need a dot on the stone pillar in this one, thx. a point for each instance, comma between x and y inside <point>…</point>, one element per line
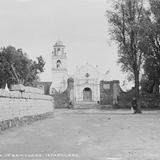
<point>71,90</point>
<point>106,91</point>
<point>116,92</point>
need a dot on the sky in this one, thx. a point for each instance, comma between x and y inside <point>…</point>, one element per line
<point>35,26</point>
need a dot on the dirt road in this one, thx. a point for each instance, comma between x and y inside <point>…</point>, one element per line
<point>85,135</point>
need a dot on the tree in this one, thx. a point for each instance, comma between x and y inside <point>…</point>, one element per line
<point>152,75</point>
<point>127,21</point>
<point>16,67</point>
<point>152,39</point>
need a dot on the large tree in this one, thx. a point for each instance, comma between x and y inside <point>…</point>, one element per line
<point>16,67</point>
<point>127,21</point>
<point>152,56</point>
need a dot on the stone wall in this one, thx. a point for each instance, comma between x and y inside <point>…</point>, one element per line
<point>109,92</point>
<point>43,85</point>
<point>65,99</point>
<point>17,107</point>
<point>61,100</point>
<point>145,101</point>
<point>150,101</point>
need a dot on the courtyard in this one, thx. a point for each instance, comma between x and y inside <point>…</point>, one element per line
<point>85,135</point>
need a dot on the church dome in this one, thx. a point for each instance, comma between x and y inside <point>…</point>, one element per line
<point>59,43</point>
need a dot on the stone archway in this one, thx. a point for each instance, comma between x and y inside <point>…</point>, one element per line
<point>87,95</point>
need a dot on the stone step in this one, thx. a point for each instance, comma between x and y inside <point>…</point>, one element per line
<point>106,107</point>
<point>86,106</point>
<point>92,105</point>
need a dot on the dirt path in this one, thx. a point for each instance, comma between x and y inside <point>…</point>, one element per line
<point>87,135</point>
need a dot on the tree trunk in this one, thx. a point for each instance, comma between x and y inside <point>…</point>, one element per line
<point>136,74</point>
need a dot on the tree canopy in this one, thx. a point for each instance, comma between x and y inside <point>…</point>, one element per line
<point>136,29</point>
<point>152,56</point>
<point>127,20</point>
<point>16,67</point>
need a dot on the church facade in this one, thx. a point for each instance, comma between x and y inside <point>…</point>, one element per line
<point>87,85</point>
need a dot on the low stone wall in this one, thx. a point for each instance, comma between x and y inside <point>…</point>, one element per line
<point>61,100</point>
<point>145,101</point>
<point>17,108</point>
<point>151,101</point>
<point>109,92</point>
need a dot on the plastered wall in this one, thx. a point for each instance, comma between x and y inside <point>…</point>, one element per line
<point>16,104</point>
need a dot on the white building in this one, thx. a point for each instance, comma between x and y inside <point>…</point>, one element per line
<point>86,79</point>
<point>87,84</point>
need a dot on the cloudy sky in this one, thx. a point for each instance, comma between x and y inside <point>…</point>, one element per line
<point>35,26</point>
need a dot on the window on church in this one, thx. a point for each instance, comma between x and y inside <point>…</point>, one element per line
<point>87,75</point>
<point>58,63</point>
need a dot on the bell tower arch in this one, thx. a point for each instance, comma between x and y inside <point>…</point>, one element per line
<point>59,68</point>
<point>59,57</point>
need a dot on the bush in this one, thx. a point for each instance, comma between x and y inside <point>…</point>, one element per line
<point>125,98</point>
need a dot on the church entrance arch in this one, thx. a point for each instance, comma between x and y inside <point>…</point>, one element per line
<point>87,94</point>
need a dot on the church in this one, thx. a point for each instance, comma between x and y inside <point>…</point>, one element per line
<point>87,84</point>
<point>87,87</point>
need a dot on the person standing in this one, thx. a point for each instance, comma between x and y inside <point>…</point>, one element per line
<point>135,106</point>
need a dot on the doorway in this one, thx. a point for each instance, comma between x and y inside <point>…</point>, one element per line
<point>87,95</point>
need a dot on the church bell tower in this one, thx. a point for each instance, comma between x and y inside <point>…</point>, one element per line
<point>59,68</point>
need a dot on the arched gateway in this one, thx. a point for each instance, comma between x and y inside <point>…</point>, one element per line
<point>87,95</point>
